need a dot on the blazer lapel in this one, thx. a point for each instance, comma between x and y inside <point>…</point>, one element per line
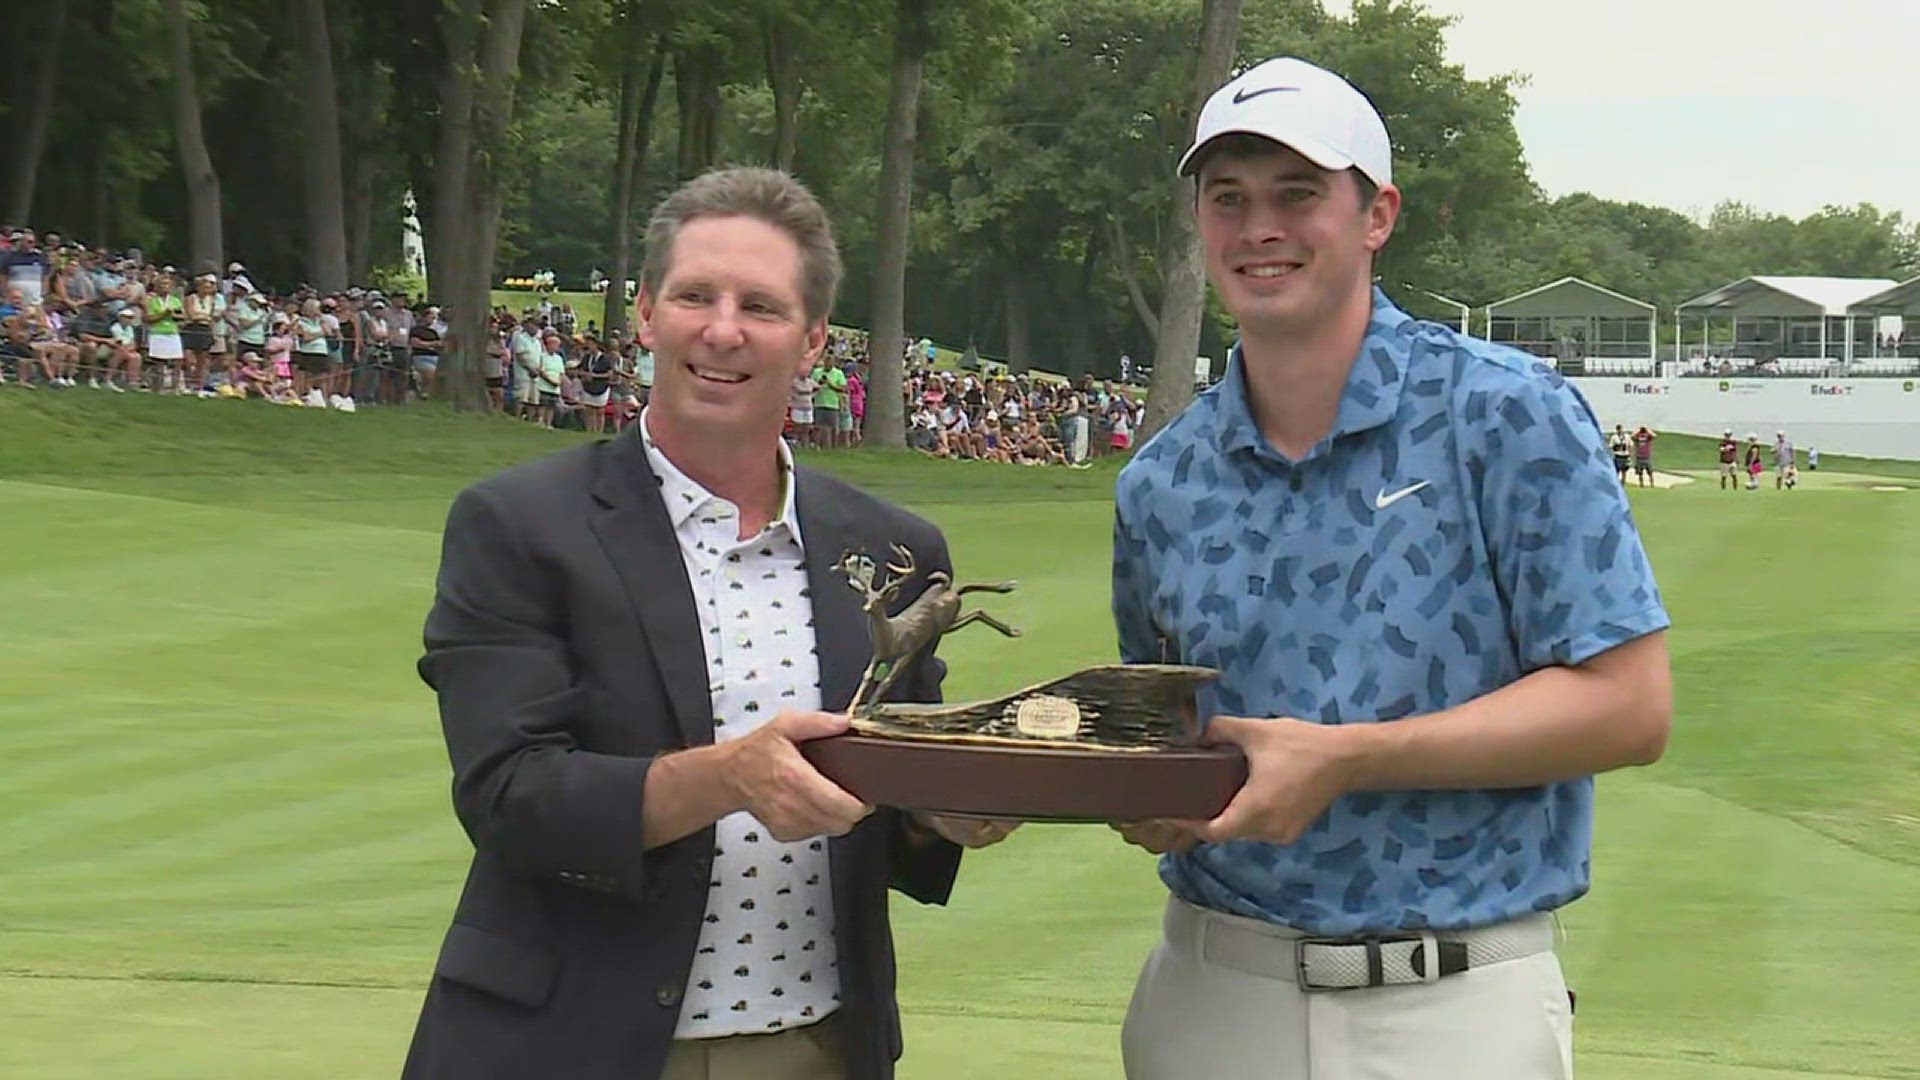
<point>839,625</point>
<point>639,540</point>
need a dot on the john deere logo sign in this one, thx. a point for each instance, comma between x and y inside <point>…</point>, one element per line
<point>1907,386</point>
<point>1725,386</point>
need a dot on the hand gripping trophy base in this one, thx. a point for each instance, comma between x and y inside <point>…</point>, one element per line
<point>1115,742</point>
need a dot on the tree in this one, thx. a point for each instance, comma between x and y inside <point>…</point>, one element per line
<point>26,157</point>
<point>639,94</point>
<point>495,78</point>
<point>322,174</point>
<point>781,32</point>
<point>1183,289</point>
<point>886,416</point>
<point>459,32</point>
<point>203,184</point>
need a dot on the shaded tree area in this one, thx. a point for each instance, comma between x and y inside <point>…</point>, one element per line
<point>1023,211</point>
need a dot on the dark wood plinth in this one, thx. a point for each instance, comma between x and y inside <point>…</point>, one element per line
<point>1037,783</point>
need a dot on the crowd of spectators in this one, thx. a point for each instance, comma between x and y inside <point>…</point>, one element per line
<point>74,315</point>
<point>80,316</point>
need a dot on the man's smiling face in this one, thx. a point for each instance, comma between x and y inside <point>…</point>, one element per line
<point>729,330</point>
<point>1287,243</point>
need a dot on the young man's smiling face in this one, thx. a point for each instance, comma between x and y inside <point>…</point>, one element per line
<point>729,329</point>
<point>1287,243</point>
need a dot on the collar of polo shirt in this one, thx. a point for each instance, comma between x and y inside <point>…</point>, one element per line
<point>684,495</point>
<point>1372,396</point>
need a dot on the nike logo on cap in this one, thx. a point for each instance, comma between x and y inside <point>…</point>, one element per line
<point>1384,499</point>
<point>1244,95</point>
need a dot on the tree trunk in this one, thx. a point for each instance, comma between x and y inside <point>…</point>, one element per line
<point>203,184</point>
<point>446,236</point>
<point>783,78</point>
<point>361,103</point>
<point>1080,332</point>
<point>1123,258</point>
<point>709,147</point>
<point>1183,293</point>
<point>636,127</point>
<point>696,90</point>
<point>360,217</point>
<point>626,116</point>
<point>1019,328</point>
<point>498,54</point>
<point>26,155</point>
<point>321,172</point>
<point>886,415</point>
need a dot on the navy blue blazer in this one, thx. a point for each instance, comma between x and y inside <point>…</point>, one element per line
<point>566,652</point>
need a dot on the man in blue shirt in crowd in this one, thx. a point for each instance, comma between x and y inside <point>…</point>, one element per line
<point>1406,554</point>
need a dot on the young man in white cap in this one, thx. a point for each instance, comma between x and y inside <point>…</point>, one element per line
<point>1407,555</point>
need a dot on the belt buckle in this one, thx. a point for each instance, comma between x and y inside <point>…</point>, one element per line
<point>1300,946</point>
<point>1376,974</point>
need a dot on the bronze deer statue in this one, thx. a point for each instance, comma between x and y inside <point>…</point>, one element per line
<point>897,639</point>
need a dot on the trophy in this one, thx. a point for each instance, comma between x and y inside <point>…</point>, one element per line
<point>1114,742</point>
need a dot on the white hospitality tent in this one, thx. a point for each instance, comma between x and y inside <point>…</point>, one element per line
<point>1576,323</point>
<point>1786,318</point>
<point>1898,313</point>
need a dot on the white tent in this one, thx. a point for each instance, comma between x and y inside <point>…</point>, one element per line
<point>1786,318</point>
<point>1576,322</point>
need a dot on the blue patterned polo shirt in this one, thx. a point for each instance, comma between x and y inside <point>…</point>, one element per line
<point>1460,527</point>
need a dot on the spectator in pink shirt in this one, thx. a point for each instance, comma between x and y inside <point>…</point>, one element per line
<point>856,401</point>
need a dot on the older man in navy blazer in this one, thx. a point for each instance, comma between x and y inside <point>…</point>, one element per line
<point>629,639</point>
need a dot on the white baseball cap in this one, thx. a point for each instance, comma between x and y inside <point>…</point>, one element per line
<point>1304,107</point>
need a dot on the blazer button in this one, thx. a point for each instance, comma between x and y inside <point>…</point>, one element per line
<point>668,995</point>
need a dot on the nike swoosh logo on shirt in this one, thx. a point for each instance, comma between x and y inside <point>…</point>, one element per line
<point>1386,499</point>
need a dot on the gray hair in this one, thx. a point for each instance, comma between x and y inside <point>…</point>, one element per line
<point>763,194</point>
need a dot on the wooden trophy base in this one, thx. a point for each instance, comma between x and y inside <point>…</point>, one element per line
<point>1031,783</point>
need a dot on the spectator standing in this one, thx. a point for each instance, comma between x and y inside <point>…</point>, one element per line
<point>524,350</point>
<point>829,402</point>
<point>1643,455</point>
<point>1621,447</point>
<point>553,368</point>
<point>311,357</point>
<point>162,310</point>
<point>26,267</point>
<point>379,381</point>
<point>596,385</point>
<point>203,319</point>
<point>800,408</point>
<point>424,342</point>
<point>1782,459</point>
<point>856,402</point>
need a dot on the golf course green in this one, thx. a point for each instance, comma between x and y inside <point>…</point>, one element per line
<point>229,850</point>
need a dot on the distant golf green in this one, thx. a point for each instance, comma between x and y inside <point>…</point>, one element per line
<point>229,850</point>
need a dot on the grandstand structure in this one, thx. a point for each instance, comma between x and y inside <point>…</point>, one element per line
<point>1768,325</point>
<point>1583,328</point>
<point>1781,325</point>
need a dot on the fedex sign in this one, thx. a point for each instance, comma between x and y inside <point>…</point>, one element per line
<point>1638,389</point>
<point>1830,390</point>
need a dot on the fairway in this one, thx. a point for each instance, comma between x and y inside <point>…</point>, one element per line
<point>230,853</point>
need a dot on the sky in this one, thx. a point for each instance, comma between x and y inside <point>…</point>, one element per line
<point>1685,103</point>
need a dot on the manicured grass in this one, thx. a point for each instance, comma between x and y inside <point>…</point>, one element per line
<point>229,850</point>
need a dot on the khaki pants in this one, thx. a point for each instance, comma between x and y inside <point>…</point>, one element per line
<point>1195,1017</point>
<point>808,1053</point>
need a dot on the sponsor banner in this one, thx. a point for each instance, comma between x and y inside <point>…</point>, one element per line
<point>1875,417</point>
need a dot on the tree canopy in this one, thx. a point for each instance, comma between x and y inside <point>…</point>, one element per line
<point>1042,145</point>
